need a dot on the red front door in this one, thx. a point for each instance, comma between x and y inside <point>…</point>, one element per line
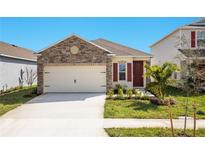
<point>138,74</point>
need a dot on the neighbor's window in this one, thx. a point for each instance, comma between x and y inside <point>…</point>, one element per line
<point>201,38</point>
<point>122,71</point>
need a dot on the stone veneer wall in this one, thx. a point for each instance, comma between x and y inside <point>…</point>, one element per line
<point>148,79</point>
<point>60,54</point>
<point>109,72</point>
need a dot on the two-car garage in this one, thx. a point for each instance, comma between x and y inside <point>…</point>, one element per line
<point>81,78</point>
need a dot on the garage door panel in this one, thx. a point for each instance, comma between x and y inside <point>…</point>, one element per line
<point>74,79</point>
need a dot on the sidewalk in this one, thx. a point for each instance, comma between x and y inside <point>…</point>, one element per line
<point>136,123</point>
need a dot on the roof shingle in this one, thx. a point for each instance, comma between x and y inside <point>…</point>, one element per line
<point>120,50</point>
<point>16,52</point>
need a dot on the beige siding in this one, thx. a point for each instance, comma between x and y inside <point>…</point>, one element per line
<point>126,60</point>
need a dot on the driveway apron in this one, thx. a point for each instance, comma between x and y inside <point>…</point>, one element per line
<point>57,114</point>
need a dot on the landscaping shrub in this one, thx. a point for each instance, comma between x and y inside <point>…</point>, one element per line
<point>119,86</point>
<point>10,90</point>
<point>18,88</point>
<point>200,112</point>
<point>158,101</point>
<point>120,94</point>
<point>129,93</point>
<point>153,88</point>
<point>143,98</point>
<point>138,93</point>
<point>170,101</point>
<point>155,100</point>
<point>110,93</point>
<point>34,91</point>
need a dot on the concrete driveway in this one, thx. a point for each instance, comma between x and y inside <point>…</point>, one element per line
<point>57,114</point>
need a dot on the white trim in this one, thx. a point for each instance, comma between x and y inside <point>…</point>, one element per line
<point>125,71</point>
<point>196,40</point>
<point>131,72</point>
<point>136,56</point>
<point>163,38</point>
<point>17,57</point>
<point>172,32</point>
<point>75,36</point>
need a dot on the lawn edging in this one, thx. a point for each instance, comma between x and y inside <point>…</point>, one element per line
<point>151,132</point>
<point>13,99</point>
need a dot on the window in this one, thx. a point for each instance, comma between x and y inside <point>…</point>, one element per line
<point>201,38</point>
<point>122,70</point>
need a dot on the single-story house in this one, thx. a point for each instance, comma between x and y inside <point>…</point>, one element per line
<point>13,62</point>
<point>77,65</point>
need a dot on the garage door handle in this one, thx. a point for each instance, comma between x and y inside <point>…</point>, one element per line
<point>103,86</point>
<point>102,72</point>
<point>47,85</point>
<point>74,81</point>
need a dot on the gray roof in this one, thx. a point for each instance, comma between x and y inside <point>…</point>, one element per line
<point>200,23</point>
<point>14,51</point>
<point>120,50</point>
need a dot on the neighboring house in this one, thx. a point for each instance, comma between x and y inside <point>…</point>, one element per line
<point>171,47</point>
<point>13,61</point>
<point>77,65</point>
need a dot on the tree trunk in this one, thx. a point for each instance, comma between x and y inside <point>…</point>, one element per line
<point>186,110</point>
<point>170,117</point>
<point>194,131</point>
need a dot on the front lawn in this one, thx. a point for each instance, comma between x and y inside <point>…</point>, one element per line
<point>12,100</point>
<point>151,132</point>
<point>143,109</point>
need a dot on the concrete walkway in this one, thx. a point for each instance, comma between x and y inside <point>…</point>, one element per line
<point>57,114</point>
<point>137,123</point>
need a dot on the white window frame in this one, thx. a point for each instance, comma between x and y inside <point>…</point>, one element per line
<point>196,42</point>
<point>123,71</point>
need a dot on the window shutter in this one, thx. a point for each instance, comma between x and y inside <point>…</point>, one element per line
<point>129,72</point>
<point>193,39</point>
<point>115,72</point>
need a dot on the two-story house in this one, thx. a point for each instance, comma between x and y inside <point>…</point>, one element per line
<point>171,47</point>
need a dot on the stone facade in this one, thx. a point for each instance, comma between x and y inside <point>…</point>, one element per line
<point>109,72</point>
<point>61,54</point>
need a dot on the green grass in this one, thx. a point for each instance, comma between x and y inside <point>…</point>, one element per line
<point>151,132</point>
<point>143,109</point>
<point>14,99</point>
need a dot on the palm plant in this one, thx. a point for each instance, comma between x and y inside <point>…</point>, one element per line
<point>162,78</point>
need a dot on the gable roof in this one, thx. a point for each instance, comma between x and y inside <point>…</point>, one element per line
<point>108,46</point>
<point>195,25</point>
<point>73,35</point>
<point>13,51</point>
<point>120,50</point>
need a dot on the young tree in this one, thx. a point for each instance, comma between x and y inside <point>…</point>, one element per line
<point>30,76</point>
<point>21,80</point>
<point>192,74</point>
<point>162,78</point>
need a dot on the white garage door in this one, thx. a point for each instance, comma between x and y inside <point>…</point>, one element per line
<point>74,79</point>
